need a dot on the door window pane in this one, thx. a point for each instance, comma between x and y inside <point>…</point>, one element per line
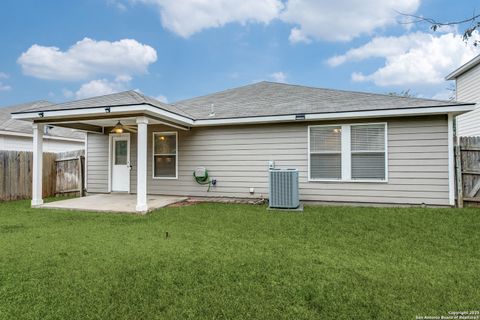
<point>121,152</point>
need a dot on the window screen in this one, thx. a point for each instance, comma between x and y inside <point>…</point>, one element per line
<point>368,152</point>
<point>326,152</point>
<point>165,155</point>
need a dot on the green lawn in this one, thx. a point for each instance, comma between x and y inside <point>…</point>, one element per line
<point>224,261</point>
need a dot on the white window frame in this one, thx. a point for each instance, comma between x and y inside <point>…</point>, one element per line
<point>325,152</point>
<point>153,154</point>
<point>346,153</point>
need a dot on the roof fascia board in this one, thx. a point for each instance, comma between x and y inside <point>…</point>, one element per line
<point>464,68</point>
<point>35,115</point>
<point>103,107</point>
<point>340,115</point>
<point>160,113</point>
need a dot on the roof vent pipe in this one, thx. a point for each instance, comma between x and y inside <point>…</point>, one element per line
<point>212,111</point>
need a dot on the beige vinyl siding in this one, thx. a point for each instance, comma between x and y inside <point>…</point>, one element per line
<point>237,156</point>
<point>97,163</point>
<point>468,90</point>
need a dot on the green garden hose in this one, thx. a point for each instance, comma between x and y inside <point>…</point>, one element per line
<point>204,180</point>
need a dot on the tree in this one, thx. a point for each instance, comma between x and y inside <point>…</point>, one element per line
<point>453,92</point>
<point>404,93</point>
<point>469,25</point>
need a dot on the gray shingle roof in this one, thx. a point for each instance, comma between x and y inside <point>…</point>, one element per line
<point>9,124</point>
<point>269,98</point>
<point>116,99</point>
<point>260,99</point>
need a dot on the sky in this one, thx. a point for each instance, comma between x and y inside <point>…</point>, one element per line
<point>177,49</point>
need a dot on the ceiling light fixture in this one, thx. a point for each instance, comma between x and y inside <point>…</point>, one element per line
<point>118,128</point>
<point>121,128</point>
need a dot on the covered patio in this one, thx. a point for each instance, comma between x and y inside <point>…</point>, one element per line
<point>115,116</point>
<point>114,202</point>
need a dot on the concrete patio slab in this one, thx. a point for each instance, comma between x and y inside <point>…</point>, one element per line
<point>114,202</point>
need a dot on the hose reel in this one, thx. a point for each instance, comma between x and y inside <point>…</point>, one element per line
<point>201,176</point>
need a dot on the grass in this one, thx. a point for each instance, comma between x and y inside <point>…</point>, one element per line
<point>224,261</point>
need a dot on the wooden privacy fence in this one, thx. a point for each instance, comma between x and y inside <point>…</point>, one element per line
<point>70,173</point>
<point>62,173</point>
<point>467,163</point>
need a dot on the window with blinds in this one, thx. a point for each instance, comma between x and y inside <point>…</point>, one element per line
<point>368,151</point>
<point>345,152</point>
<point>326,152</point>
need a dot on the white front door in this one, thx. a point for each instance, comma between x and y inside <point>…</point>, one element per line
<point>120,162</point>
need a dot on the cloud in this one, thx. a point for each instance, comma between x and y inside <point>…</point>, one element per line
<point>102,87</point>
<point>311,19</point>
<point>412,59</point>
<point>188,17</point>
<point>119,5</point>
<point>341,20</point>
<point>381,47</point>
<point>4,87</point>
<point>279,77</point>
<point>444,95</point>
<point>67,93</point>
<point>162,98</point>
<point>234,75</point>
<point>296,35</point>
<point>86,59</point>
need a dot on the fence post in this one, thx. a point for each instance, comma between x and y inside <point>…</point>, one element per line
<point>459,180</point>
<point>80,176</point>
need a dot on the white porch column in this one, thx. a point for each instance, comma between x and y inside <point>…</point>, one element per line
<point>142,205</point>
<point>37,171</point>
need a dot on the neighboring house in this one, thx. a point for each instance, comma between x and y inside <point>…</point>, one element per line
<point>467,85</point>
<point>16,135</point>
<point>348,146</point>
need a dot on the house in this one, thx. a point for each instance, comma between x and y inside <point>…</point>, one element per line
<point>467,88</point>
<point>350,147</point>
<point>16,135</point>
